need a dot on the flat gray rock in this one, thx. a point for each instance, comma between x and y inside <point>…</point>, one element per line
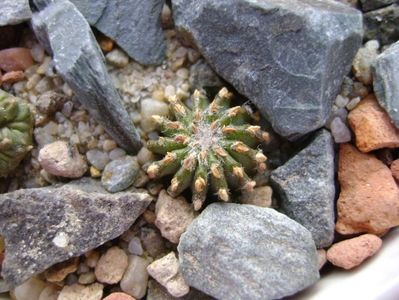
<point>120,173</point>
<point>287,56</point>
<point>382,24</point>
<point>306,187</point>
<point>135,25</point>
<point>92,10</point>
<point>234,251</point>
<point>13,12</point>
<point>386,79</point>
<point>65,33</point>
<point>44,226</point>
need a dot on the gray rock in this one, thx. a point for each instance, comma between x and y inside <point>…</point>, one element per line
<point>306,187</point>
<point>368,5</point>
<point>64,32</point>
<point>288,57</point>
<point>92,10</point>
<point>135,25</point>
<point>382,24</point>
<point>14,12</point>
<point>44,226</point>
<point>386,78</point>
<point>119,174</point>
<point>234,251</point>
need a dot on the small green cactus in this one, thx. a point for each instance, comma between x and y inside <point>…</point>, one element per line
<point>16,127</point>
<point>212,143</point>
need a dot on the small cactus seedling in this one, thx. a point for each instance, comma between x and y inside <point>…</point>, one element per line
<point>212,143</point>
<point>16,126</point>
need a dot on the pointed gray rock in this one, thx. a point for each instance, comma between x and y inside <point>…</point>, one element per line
<point>306,186</point>
<point>13,12</point>
<point>234,251</point>
<point>386,79</point>
<point>44,226</point>
<point>288,57</point>
<point>65,33</point>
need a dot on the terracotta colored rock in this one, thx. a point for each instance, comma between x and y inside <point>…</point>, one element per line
<point>351,253</point>
<point>15,59</point>
<point>12,77</point>
<point>395,169</point>
<point>119,296</point>
<point>369,198</point>
<point>372,126</point>
<point>59,271</point>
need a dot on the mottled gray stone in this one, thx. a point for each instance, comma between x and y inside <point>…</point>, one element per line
<point>44,226</point>
<point>287,56</point>
<point>13,12</point>
<point>382,24</point>
<point>234,251</point>
<point>135,25</point>
<point>368,5</point>
<point>66,34</point>
<point>386,81</point>
<point>92,10</point>
<point>306,186</point>
<point>119,174</point>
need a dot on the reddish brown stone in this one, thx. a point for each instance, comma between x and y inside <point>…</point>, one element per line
<point>372,126</point>
<point>15,59</point>
<point>119,296</point>
<point>351,253</point>
<point>395,169</point>
<point>369,198</point>
<point>12,77</point>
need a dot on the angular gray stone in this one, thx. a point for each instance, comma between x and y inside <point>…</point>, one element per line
<point>368,5</point>
<point>135,25</point>
<point>234,251</point>
<point>92,10</point>
<point>386,79</point>
<point>289,57</point>
<point>61,28</point>
<point>382,24</point>
<point>307,190</point>
<point>44,226</point>
<point>13,12</point>
<point>119,174</point>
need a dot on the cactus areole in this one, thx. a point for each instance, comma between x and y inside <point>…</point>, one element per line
<point>211,145</point>
<point>16,127</point>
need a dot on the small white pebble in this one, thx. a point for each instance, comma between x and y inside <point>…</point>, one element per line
<point>352,104</point>
<point>37,52</point>
<point>97,158</point>
<point>341,101</point>
<point>340,131</point>
<point>117,58</point>
<point>135,246</point>
<point>117,153</point>
<point>61,240</point>
<point>169,91</point>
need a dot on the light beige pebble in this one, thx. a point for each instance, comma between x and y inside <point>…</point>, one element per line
<point>87,278</point>
<point>30,289</point>
<point>117,58</point>
<point>364,59</point>
<point>135,279</point>
<point>166,271</point>
<point>61,159</point>
<point>173,215</point>
<point>261,196</point>
<point>149,108</point>
<point>81,292</point>
<point>145,156</point>
<point>109,145</point>
<point>352,252</point>
<point>92,258</point>
<point>322,256</point>
<point>50,292</point>
<point>111,266</point>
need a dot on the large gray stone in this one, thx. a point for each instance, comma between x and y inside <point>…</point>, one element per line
<point>65,33</point>
<point>44,226</point>
<point>382,24</point>
<point>92,10</point>
<point>14,12</point>
<point>136,26</point>
<point>386,81</point>
<point>306,186</point>
<point>287,56</point>
<point>234,251</point>
<point>368,5</point>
